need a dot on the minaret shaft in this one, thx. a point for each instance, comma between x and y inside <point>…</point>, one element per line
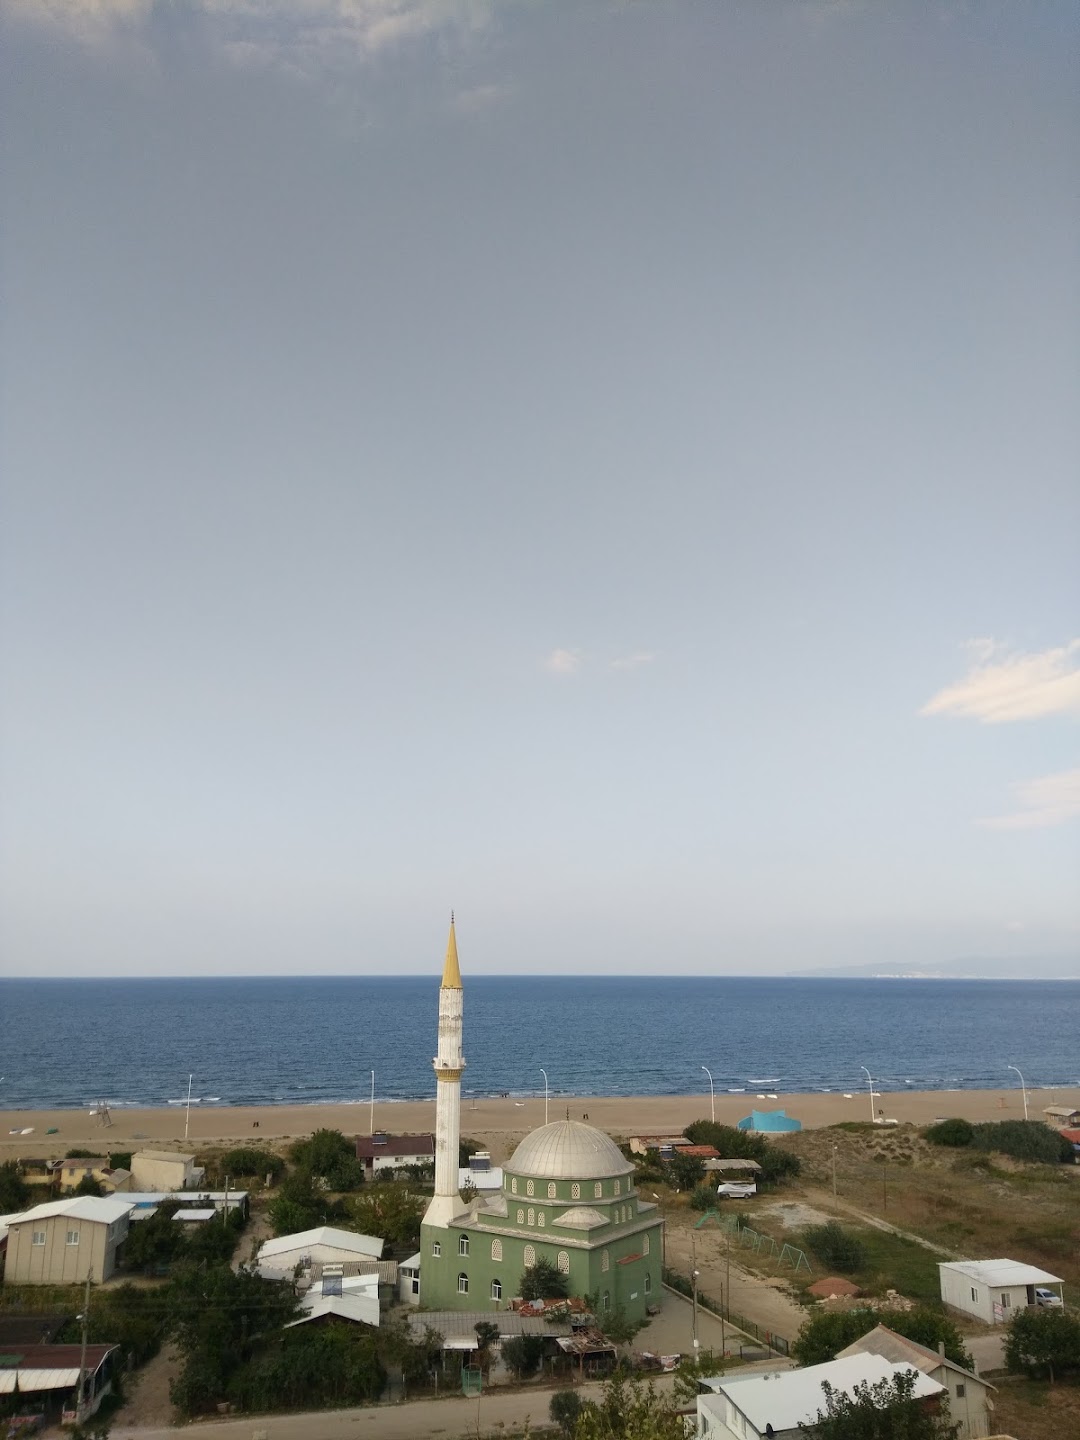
<point>448,1064</point>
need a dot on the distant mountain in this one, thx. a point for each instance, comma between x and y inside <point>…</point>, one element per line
<point>977,968</point>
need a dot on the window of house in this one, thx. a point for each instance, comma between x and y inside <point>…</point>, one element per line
<point>463,1244</point>
<point>463,1284</point>
<point>564,1263</point>
<point>496,1289</point>
<point>605,1261</point>
<point>496,1249</point>
<point>73,1237</point>
<point>1006,1299</point>
<point>974,1293</point>
<point>436,1247</point>
<point>530,1189</point>
<point>648,1284</point>
<point>529,1257</point>
<point>38,1237</point>
<point>960,1392</point>
<point>520,1216</point>
<point>552,1192</point>
<point>575,1191</point>
<point>416,1285</point>
<point>607,1299</point>
<point>513,1186</point>
<point>597,1190</point>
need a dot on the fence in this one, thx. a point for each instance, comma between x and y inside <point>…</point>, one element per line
<point>682,1286</point>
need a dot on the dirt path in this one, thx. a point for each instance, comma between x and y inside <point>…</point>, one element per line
<point>147,1390</point>
<point>764,1300</point>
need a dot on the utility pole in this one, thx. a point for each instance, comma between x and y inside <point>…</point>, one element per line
<point>834,1172</point>
<point>693,1282</point>
<point>884,1189</point>
<point>225,1207</point>
<point>85,1318</point>
<point>371,1124</point>
<point>187,1110</point>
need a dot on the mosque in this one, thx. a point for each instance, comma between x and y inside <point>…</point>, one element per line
<point>568,1196</point>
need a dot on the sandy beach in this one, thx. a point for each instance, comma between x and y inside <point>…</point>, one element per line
<point>499,1123</point>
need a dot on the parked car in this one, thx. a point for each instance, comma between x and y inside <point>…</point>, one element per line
<point>1043,1296</point>
<point>737,1189</point>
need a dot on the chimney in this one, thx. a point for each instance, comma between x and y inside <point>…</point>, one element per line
<point>941,1348</point>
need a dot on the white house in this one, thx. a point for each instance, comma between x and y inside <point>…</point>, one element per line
<point>992,1290</point>
<point>339,1297</point>
<point>777,1403</point>
<point>325,1245</point>
<point>970,1403</point>
<point>165,1170</point>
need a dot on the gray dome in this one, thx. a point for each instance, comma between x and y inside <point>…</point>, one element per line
<point>568,1150</point>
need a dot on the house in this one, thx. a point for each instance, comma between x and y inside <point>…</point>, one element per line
<point>779,1403</point>
<point>642,1144</point>
<point>769,1122</point>
<point>970,1403</point>
<point>992,1290</point>
<point>165,1170</point>
<point>1062,1116</point>
<point>46,1377</point>
<point>1073,1137</point>
<point>64,1241</point>
<point>98,1168</point>
<point>381,1152</point>
<point>43,1173</point>
<point>480,1173</point>
<point>698,1152</point>
<point>458,1329</point>
<point>325,1245</point>
<point>353,1299</point>
<point>750,1168</point>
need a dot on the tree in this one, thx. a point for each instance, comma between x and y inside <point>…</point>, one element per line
<point>825,1334</point>
<point>248,1161</point>
<point>693,1368</point>
<point>300,1204</point>
<point>89,1186</point>
<point>837,1247</point>
<point>619,1327</point>
<point>523,1353</point>
<point>886,1410</point>
<point>487,1335</point>
<point>311,1367</point>
<point>629,1410</point>
<point>734,1144</point>
<point>685,1171</point>
<point>564,1410</point>
<point>14,1191</point>
<point>330,1158</point>
<point>391,1211</point>
<point>1043,1341</point>
<point>157,1240</point>
<point>542,1281</point>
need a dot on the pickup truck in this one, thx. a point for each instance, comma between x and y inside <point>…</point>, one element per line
<point>737,1189</point>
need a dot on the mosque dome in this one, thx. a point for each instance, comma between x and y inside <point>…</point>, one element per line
<point>569,1150</point>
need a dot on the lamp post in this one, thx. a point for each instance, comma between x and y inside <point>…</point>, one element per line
<point>871,1079</point>
<point>1023,1087</point>
<point>371,1123</point>
<point>544,1073</point>
<point>712,1095</point>
<point>187,1108</point>
<point>834,1172</point>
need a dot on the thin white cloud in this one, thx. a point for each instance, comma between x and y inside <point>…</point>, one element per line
<point>479,98</point>
<point>563,662</point>
<point>633,661</point>
<point>1000,686</point>
<point>1049,800</point>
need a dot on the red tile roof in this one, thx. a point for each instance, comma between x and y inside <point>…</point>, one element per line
<point>369,1147</point>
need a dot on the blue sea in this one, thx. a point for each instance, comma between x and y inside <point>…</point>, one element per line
<point>67,1043</point>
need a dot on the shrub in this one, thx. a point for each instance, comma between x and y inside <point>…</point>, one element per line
<point>1023,1140</point>
<point>955,1132</point>
<point>826,1333</point>
<point>1043,1341</point>
<point>734,1144</point>
<point>247,1161</point>
<point>564,1409</point>
<point>522,1354</point>
<point>703,1197</point>
<point>14,1191</point>
<point>837,1247</point>
<point>328,1155</point>
<point>81,1155</point>
<point>542,1281</point>
<point>685,1171</point>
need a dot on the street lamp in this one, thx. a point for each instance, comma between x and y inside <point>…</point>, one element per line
<point>544,1073</point>
<point>371,1127</point>
<point>712,1095</point>
<point>1023,1087</point>
<point>871,1079</point>
<point>187,1111</point>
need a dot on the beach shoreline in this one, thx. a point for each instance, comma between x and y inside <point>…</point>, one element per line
<point>497,1122</point>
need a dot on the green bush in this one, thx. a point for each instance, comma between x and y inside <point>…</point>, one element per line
<point>685,1171</point>
<point>835,1246</point>
<point>564,1409</point>
<point>248,1161</point>
<point>826,1333</point>
<point>1043,1342</point>
<point>734,1144</point>
<point>330,1157</point>
<point>522,1354</point>
<point>954,1132</point>
<point>703,1197</point>
<point>14,1191</point>
<point>1024,1140</point>
<point>542,1281</point>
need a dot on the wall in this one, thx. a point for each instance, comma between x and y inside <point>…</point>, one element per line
<point>58,1263</point>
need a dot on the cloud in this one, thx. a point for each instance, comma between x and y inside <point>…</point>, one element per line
<point>1000,687</point>
<point>1049,800</point>
<point>480,98</point>
<point>563,662</point>
<point>633,661</point>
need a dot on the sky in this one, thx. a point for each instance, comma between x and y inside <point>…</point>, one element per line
<point>607,468</point>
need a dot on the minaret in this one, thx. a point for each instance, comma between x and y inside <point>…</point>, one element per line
<point>449,1063</point>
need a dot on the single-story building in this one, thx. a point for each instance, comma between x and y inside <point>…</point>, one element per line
<point>992,1290</point>
<point>381,1152</point>
<point>1073,1137</point>
<point>47,1379</point>
<point>779,1403</point>
<point>94,1167</point>
<point>770,1122</point>
<point>642,1144</point>
<point>458,1328</point>
<point>698,1152</point>
<point>970,1403</point>
<point>480,1173</point>
<point>749,1168</point>
<point>64,1241</point>
<point>325,1245</point>
<point>353,1299</point>
<point>145,1202</point>
<point>409,1280</point>
<point>165,1170</point>
<point>1062,1116</point>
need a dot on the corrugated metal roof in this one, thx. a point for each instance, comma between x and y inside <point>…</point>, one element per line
<point>102,1211</point>
<point>361,1309</point>
<point>461,1324</point>
<point>36,1380</point>
<point>997,1273</point>
<point>787,1399</point>
<point>322,1235</point>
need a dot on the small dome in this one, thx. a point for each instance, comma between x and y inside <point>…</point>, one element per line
<point>568,1150</point>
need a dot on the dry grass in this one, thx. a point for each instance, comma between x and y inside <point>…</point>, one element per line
<point>1034,1411</point>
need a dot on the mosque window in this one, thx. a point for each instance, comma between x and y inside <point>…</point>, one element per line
<point>552,1192</point>
<point>463,1244</point>
<point>630,1208</point>
<point>513,1186</point>
<point>564,1263</point>
<point>496,1289</point>
<point>529,1257</point>
<point>436,1248</point>
<point>463,1284</point>
<point>496,1249</point>
<point>529,1188</point>
<point>541,1219</point>
<point>532,1216</point>
<point>597,1190</point>
<point>605,1261</point>
<point>645,1244</point>
<point>648,1284</point>
<point>618,1187</point>
<point>575,1191</point>
<point>520,1216</point>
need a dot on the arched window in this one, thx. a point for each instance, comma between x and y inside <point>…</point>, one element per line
<point>496,1249</point>
<point>521,1217</point>
<point>564,1263</point>
<point>463,1284</point>
<point>513,1186</point>
<point>645,1244</point>
<point>529,1257</point>
<point>552,1192</point>
<point>598,1190</point>
<point>618,1187</point>
<point>575,1191</point>
<point>630,1208</point>
<point>496,1289</point>
<point>436,1248</point>
<point>605,1261</point>
<point>648,1284</point>
<point>532,1217</point>
<point>463,1244</point>
<point>541,1219</point>
<point>529,1188</point>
